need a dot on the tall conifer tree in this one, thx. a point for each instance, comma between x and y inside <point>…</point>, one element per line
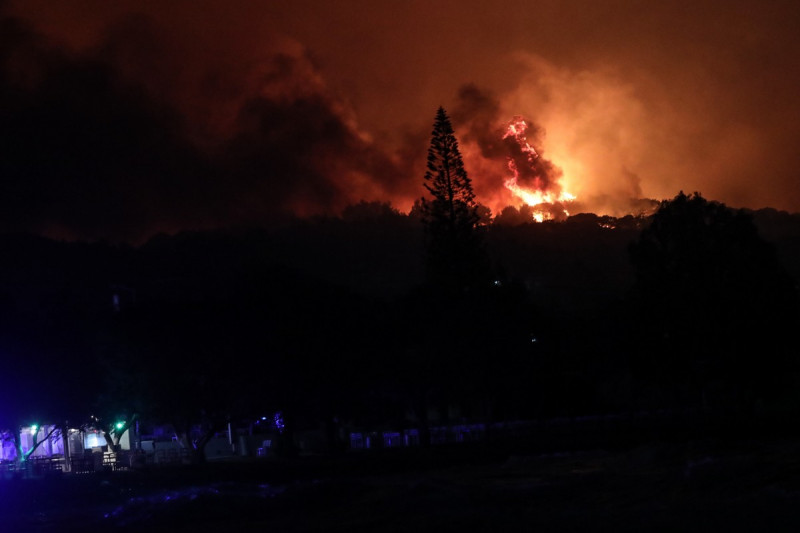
<point>455,254</point>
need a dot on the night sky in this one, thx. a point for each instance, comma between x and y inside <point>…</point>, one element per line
<point>121,119</point>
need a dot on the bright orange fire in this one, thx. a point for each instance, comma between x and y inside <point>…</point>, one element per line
<point>544,193</point>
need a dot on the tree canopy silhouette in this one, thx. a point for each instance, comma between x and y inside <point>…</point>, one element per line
<point>717,308</point>
<point>455,254</point>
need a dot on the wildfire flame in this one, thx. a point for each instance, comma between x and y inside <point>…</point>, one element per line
<point>543,191</point>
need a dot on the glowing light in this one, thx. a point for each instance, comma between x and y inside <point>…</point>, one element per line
<point>34,429</point>
<point>279,423</point>
<point>543,190</point>
<point>119,425</point>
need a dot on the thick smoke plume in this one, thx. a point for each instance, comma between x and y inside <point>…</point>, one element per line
<point>492,152</point>
<point>124,118</point>
<point>530,168</point>
<point>117,141</point>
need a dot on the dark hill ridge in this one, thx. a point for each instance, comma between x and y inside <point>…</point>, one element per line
<point>583,259</point>
<point>339,296</point>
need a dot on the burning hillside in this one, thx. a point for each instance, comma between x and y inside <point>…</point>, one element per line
<point>534,180</point>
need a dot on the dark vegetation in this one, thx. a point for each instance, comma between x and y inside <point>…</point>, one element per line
<point>331,318</point>
<point>647,366</point>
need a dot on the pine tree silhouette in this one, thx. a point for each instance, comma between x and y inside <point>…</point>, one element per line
<point>455,254</point>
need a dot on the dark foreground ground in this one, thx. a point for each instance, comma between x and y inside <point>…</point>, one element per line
<point>696,485</point>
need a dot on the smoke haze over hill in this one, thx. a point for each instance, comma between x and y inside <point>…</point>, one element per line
<point>124,119</point>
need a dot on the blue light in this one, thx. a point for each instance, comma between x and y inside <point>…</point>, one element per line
<point>279,423</point>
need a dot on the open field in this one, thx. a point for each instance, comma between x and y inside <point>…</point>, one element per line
<point>663,486</point>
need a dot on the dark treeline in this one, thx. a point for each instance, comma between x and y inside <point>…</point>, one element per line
<point>330,319</point>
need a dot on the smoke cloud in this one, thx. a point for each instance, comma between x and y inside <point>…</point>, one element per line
<point>119,119</point>
<point>108,143</point>
<point>488,148</point>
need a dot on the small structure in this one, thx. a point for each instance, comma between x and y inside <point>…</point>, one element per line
<point>46,448</point>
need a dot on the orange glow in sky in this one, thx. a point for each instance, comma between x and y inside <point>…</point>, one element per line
<point>226,113</point>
